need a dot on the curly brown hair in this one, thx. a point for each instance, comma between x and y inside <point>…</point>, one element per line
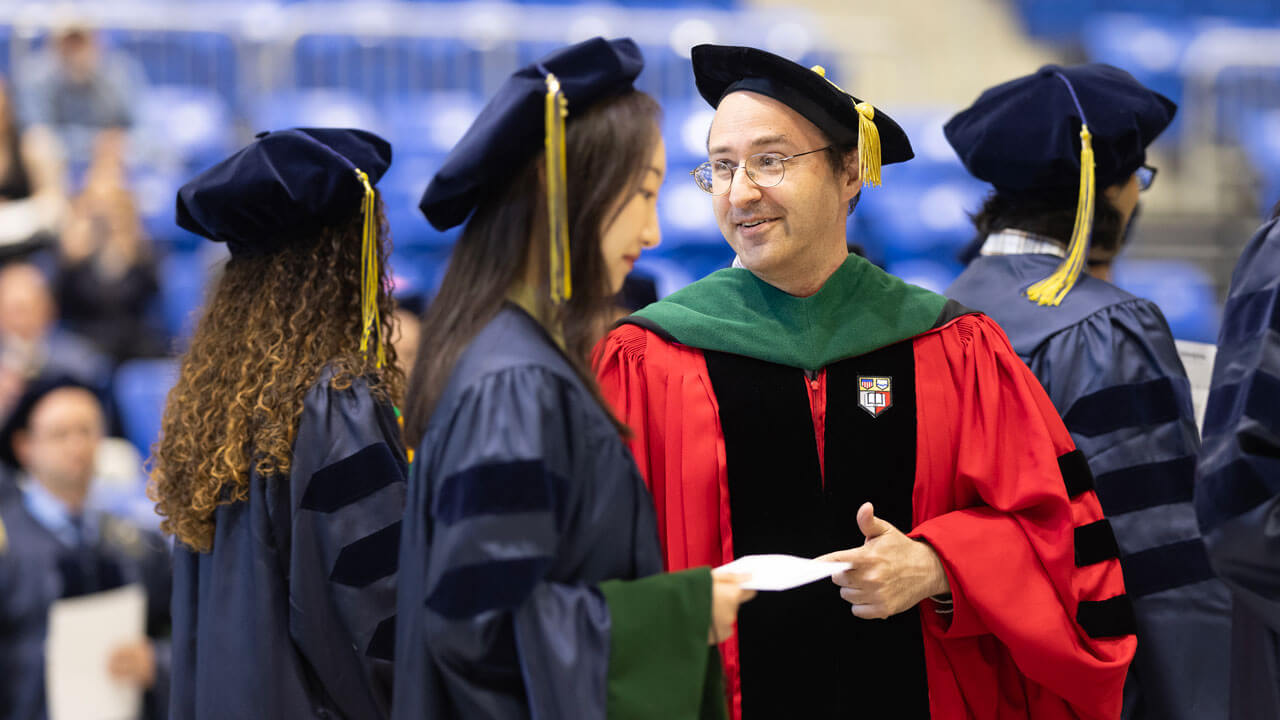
<point>271,327</point>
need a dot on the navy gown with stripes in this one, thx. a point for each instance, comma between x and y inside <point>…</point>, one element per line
<point>1238,487</point>
<point>1108,362</point>
<point>523,500</point>
<point>291,615</point>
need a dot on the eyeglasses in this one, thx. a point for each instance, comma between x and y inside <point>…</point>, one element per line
<point>764,169</point>
<point>1146,175</point>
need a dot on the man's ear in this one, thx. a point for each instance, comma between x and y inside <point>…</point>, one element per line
<point>21,446</point>
<point>852,177</point>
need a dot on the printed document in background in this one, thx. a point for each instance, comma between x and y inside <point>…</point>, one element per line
<point>83,632</point>
<point>1197,358</point>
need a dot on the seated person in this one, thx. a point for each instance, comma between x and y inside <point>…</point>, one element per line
<point>54,544</point>
<point>32,183</point>
<point>31,341</point>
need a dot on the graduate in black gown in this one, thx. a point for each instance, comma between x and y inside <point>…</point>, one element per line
<point>56,542</point>
<point>531,578</point>
<point>280,469</point>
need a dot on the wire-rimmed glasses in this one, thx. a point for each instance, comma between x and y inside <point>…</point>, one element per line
<point>764,169</point>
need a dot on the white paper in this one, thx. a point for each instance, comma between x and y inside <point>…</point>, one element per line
<point>782,572</point>
<point>83,633</point>
<point>1197,358</point>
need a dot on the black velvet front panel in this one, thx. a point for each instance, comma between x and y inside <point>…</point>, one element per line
<point>804,654</point>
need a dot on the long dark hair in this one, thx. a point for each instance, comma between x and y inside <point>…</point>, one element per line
<point>608,149</point>
<point>1050,215</point>
<point>272,325</point>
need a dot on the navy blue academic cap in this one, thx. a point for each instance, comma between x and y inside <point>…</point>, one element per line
<point>509,130</point>
<point>1024,135</point>
<point>720,70</point>
<point>282,187</point>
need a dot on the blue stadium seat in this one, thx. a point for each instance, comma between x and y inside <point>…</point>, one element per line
<point>177,57</point>
<point>154,190</point>
<point>5,53</point>
<point>1150,47</point>
<point>140,389</point>
<point>402,189</point>
<point>1260,134</point>
<point>920,219</point>
<point>382,68</point>
<point>183,127</point>
<point>1183,291</point>
<point>935,275</point>
<point>430,122</point>
<point>1055,20</point>
<point>684,128</point>
<point>685,211</point>
<point>674,266</point>
<point>317,107</point>
<point>1240,94</point>
<point>184,277</point>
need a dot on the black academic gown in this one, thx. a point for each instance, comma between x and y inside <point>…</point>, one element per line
<point>525,511</point>
<point>291,613</point>
<point>36,570</point>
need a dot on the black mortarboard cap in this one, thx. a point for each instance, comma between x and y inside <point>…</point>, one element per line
<point>282,188</point>
<point>510,128</point>
<point>1024,135</point>
<point>720,70</point>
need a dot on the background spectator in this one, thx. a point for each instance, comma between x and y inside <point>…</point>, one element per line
<point>31,341</point>
<point>32,183</point>
<point>78,88</point>
<point>107,275</point>
<point>60,544</point>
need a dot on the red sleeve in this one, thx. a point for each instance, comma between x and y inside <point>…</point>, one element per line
<point>991,500</point>
<point>662,391</point>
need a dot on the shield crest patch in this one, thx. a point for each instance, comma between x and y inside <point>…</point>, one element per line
<point>875,394</point>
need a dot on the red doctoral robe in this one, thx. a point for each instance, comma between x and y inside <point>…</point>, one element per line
<point>1037,631</point>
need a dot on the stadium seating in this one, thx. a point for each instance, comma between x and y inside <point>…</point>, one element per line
<point>140,390</point>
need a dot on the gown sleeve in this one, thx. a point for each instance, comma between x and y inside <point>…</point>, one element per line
<point>1000,495</point>
<point>346,494</point>
<point>516,479</point>
<point>1118,381</point>
<point>1238,484</point>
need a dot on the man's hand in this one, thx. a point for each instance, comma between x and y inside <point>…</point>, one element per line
<point>891,573</point>
<point>134,664</point>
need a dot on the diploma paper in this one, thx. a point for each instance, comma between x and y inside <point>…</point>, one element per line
<point>83,632</point>
<point>781,572</point>
<point>1198,358</point>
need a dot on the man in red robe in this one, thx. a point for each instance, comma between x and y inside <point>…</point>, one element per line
<point>809,403</point>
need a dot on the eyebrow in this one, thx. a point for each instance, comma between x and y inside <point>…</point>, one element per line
<point>758,142</point>
<point>653,169</point>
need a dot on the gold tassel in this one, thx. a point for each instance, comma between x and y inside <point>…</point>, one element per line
<point>4,538</point>
<point>1052,289</point>
<point>868,145</point>
<point>557,108</point>
<point>868,136</point>
<point>370,320</point>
